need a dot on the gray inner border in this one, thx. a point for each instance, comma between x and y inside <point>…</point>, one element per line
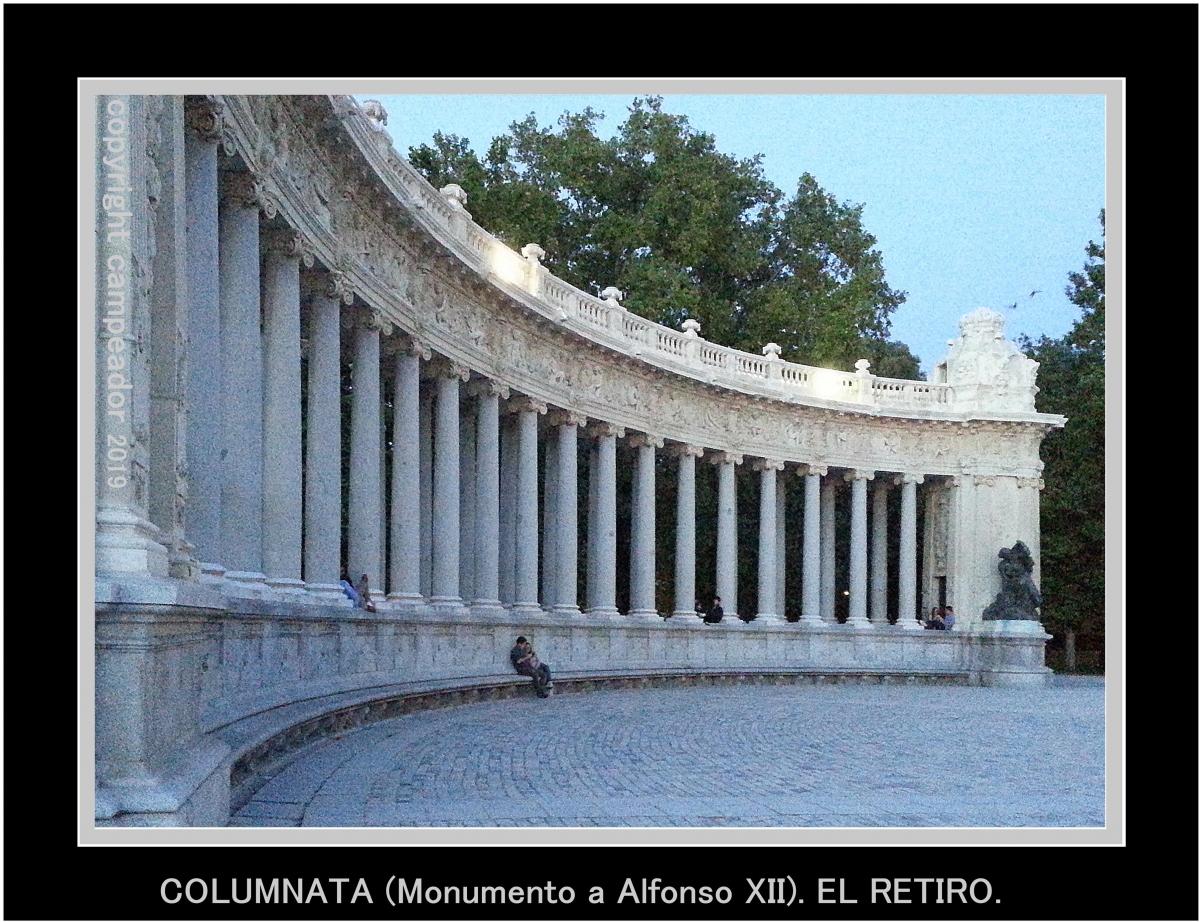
<point>1113,89</point>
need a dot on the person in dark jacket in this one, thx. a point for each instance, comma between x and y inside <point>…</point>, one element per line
<point>716,613</point>
<point>525,661</point>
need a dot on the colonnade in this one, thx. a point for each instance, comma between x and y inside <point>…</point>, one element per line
<point>455,520</point>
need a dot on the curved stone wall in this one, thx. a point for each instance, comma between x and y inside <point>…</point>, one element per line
<point>276,242</point>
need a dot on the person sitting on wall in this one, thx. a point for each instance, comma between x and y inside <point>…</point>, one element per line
<point>525,661</point>
<point>364,594</point>
<point>716,613</point>
<point>949,617</point>
<point>935,622</point>
<point>348,589</point>
<point>699,609</point>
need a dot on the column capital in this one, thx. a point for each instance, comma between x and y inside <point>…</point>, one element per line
<point>339,288</point>
<point>766,464</point>
<point>900,479</point>
<point>287,242</point>
<point>725,457</point>
<point>487,387</point>
<point>685,450</point>
<point>600,429</point>
<point>414,345</point>
<point>562,417</point>
<point>639,439</point>
<point>859,474</point>
<point>814,470</point>
<point>249,191</point>
<point>442,367</point>
<point>523,403</point>
<point>365,319</point>
<point>206,117</point>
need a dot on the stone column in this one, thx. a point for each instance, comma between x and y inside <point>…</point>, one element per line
<point>828,551</point>
<point>323,452</point>
<point>425,453</point>
<point>127,542</point>
<point>858,545</point>
<point>167,475</point>
<point>685,529</point>
<point>487,492</point>
<point>879,549</point>
<point>406,474</point>
<point>907,616</point>
<point>446,486</point>
<point>241,376</point>
<point>727,531</point>
<point>282,462</point>
<point>364,512</point>
<point>781,544</point>
<point>567,575</point>
<point>549,532</point>
<point>467,419</point>
<point>811,604</point>
<point>526,512</point>
<point>592,518</point>
<point>768,609</point>
<point>642,596</point>
<point>205,429</point>
<point>602,584</point>
<point>508,511</point>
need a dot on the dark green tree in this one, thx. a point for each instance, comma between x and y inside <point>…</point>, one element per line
<point>686,231</point>
<point>1071,378</point>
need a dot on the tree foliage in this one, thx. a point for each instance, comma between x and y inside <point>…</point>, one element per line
<point>685,231</point>
<point>1071,378</point>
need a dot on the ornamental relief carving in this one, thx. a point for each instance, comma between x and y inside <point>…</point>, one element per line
<point>390,260</point>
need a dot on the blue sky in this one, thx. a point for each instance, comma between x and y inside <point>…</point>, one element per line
<point>975,200</point>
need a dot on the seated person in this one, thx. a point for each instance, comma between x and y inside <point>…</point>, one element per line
<point>525,661</point>
<point>949,619</point>
<point>716,613</point>
<point>364,594</point>
<point>348,590</point>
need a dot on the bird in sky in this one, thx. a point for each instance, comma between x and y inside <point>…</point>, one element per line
<point>1035,292</point>
<point>1013,306</point>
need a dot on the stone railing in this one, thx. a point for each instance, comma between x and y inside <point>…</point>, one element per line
<point>606,322</point>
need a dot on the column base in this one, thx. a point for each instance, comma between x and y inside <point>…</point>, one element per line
<point>527,610</point>
<point>286,584</point>
<point>448,606</point>
<point>810,621</point>
<point>860,621</point>
<point>245,584</point>
<point>491,609</point>
<point>694,615</point>
<point>644,614</point>
<point>910,624</point>
<point>566,610</point>
<point>326,592</point>
<point>413,598</point>
<point>609,614</point>
<point>127,545</point>
<point>212,573</point>
<point>767,617</point>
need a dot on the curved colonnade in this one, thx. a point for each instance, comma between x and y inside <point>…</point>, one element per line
<point>278,242</point>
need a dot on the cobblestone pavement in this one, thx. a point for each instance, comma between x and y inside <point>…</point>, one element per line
<point>715,756</point>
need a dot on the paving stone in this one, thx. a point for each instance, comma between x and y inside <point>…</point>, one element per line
<point>806,755</point>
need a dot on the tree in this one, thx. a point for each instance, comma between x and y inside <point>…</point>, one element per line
<point>1071,378</point>
<point>685,231</point>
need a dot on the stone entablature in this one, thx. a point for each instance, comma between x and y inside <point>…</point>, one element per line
<point>414,255</point>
